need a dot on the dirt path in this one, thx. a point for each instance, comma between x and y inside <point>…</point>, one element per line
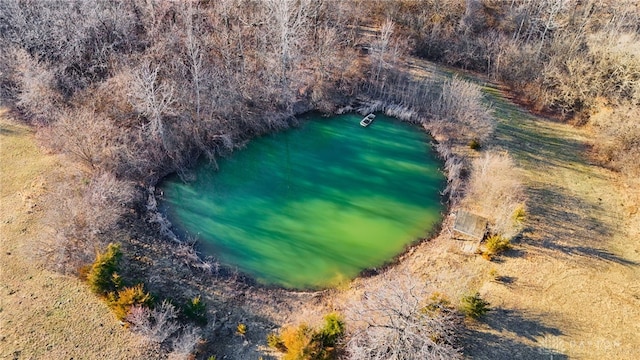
<point>571,288</point>
<point>43,314</point>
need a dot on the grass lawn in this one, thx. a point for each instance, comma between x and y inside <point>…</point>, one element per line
<point>43,314</point>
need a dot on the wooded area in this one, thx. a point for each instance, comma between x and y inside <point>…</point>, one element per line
<point>139,89</point>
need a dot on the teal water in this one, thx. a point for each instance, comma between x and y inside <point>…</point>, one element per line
<point>313,206</point>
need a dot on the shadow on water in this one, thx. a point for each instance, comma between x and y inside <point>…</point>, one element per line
<point>329,199</point>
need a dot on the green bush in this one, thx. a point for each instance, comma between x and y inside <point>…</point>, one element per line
<point>241,329</point>
<point>305,343</point>
<point>275,342</point>
<point>104,280</point>
<point>520,214</point>
<point>196,310</point>
<point>497,244</point>
<point>474,306</point>
<point>474,144</point>
<point>333,330</point>
<point>120,302</point>
<point>102,276</point>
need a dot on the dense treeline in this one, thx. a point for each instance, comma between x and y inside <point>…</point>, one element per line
<point>559,54</point>
<point>573,58</point>
<point>141,88</point>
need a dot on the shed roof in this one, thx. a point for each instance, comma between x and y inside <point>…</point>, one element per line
<point>470,224</point>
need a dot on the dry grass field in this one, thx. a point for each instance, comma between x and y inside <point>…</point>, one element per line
<point>43,314</point>
<point>572,286</point>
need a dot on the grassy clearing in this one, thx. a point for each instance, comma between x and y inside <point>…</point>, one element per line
<point>573,292</point>
<point>37,304</point>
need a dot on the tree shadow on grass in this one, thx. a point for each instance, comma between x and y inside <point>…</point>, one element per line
<point>490,346</point>
<point>589,252</point>
<point>535,146</point>
<point>9,129</point>
<point>537,143</point>
<point>483,342</point>
<point>6,131</point>
<point>513,253</point>
<point>507,320</point>
<point>563,224</point>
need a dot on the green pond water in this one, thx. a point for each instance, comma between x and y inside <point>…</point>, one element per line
<point>315,205</point>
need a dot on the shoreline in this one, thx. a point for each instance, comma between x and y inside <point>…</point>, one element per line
<point>168,230</point>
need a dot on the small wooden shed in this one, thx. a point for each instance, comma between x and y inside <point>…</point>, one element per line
<point>469,229</point>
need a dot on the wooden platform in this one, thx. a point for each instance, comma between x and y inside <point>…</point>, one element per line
<point>469,230</point>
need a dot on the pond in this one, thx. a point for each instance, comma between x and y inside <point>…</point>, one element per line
<point>313,206</point>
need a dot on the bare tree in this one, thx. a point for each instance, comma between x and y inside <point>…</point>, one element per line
<point>380,47</point>
<point>37,95</point>
<point>496,187</point>
<point>194,52</point>
<point>460,113</point>
<point>290,20</point>
<point>454,168</point>
<point>79,215</point>
<point>160,324</point>
<point>535,19</point>
<point>185,343</point>
<point>618,139</point>
<point>555,7</point>
<point>84,134</point>
<point>153,98</point>
<point>156,325</point>
<point>392,323</point>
